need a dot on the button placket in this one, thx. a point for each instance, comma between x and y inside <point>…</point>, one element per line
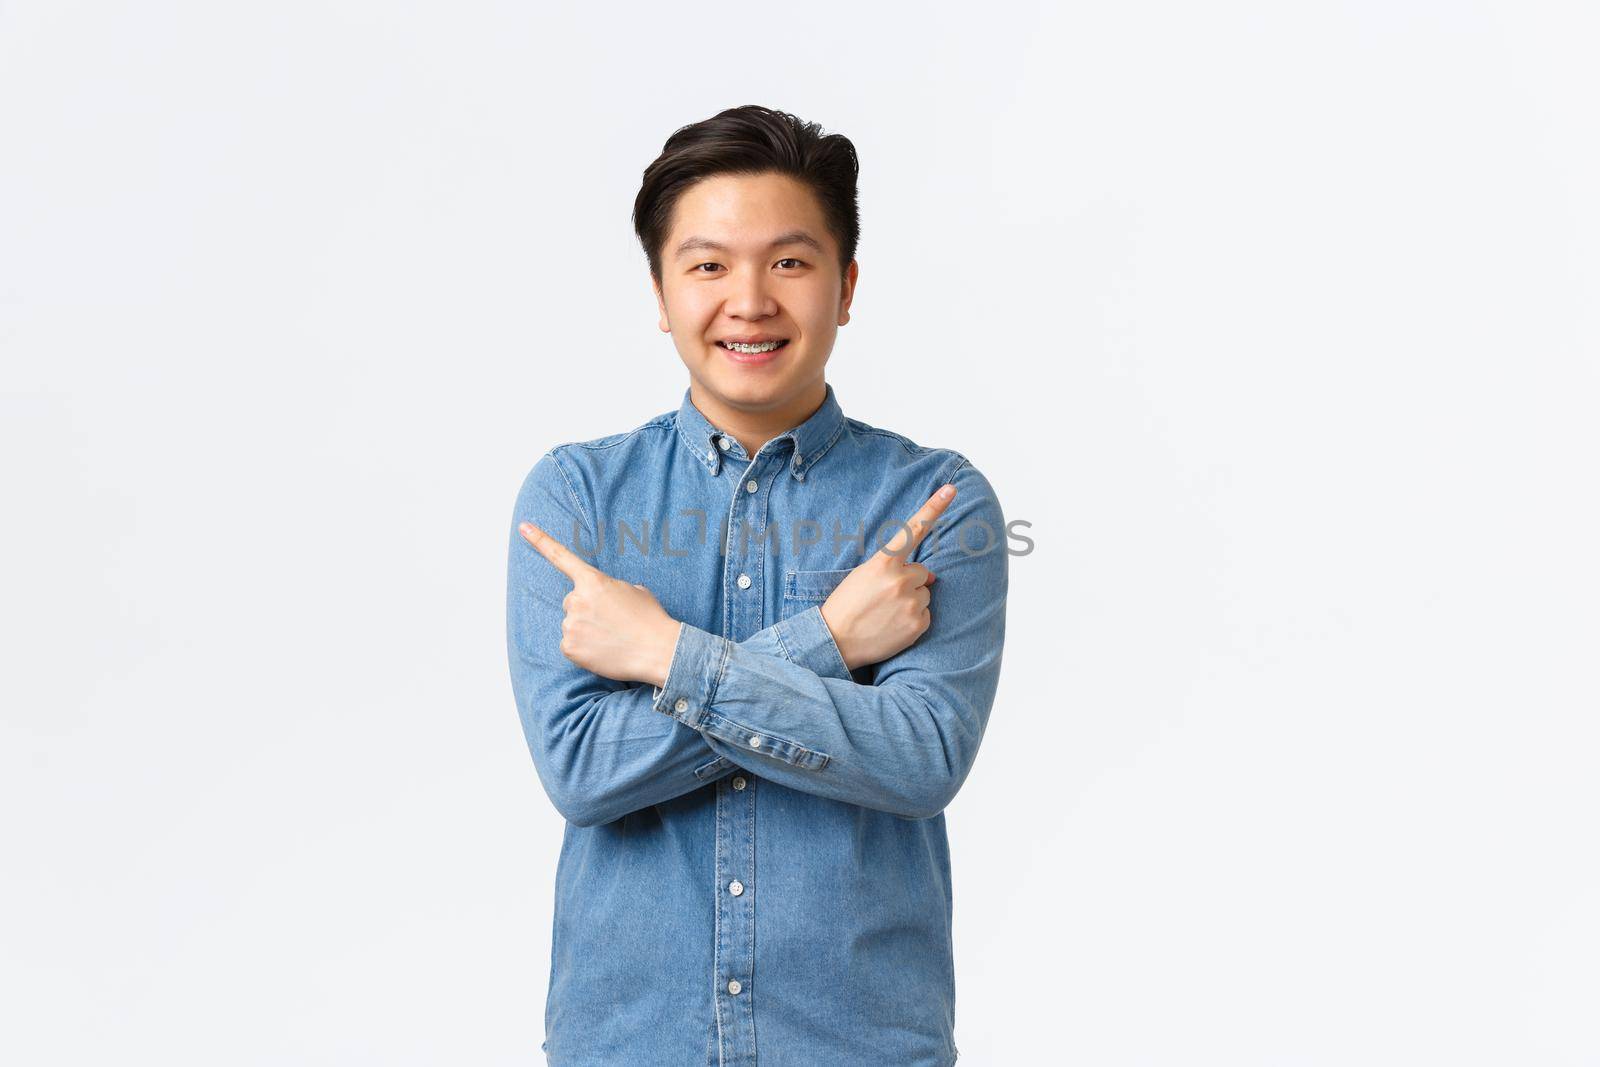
<point>744,612</point>
<point>734,961</point>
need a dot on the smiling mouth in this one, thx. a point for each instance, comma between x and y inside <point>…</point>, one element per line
<point>752,350</point>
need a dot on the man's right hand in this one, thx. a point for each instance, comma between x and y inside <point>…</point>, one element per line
<point>881,607</point>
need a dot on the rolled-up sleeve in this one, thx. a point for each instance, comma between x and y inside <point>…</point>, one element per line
<point>903,744</point>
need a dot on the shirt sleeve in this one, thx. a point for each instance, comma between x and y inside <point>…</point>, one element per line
<point>597,748</point>
<point>903,744</point>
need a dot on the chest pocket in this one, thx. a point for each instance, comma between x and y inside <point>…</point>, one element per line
<point>804,589</point>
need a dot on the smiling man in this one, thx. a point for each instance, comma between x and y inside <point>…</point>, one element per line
<point>754,645</point>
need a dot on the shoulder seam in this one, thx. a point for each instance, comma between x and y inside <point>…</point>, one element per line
<point>571,491</point>
<point>911,447</point>
<point>596,444</point>
<point>608,440</point>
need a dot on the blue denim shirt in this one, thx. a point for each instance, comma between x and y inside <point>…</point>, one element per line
<point>754,867</point>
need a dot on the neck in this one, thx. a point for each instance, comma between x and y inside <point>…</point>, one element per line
<point>754,427</point>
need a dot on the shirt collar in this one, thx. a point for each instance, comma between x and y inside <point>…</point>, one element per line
<point>811,439</point>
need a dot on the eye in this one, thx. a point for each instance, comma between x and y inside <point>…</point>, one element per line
<point>699,265</point>
<point>796,262</point>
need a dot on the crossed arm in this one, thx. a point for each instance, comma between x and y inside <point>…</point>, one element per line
<point>781,704</point>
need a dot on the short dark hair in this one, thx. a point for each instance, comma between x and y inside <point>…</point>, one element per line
<point>751,140</point>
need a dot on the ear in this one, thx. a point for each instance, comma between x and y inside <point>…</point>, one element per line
<point>661,306</point>
<point>847,291</point>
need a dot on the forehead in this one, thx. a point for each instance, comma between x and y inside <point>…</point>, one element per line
<point>746,210</point>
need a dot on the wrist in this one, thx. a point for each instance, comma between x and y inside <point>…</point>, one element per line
<point>833,632</point>
<point>662,650</point>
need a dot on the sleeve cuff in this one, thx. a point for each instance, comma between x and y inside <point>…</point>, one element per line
<point>806,640</point>
<point>698,660</point>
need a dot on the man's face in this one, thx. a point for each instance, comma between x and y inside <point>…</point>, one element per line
<point>751,271</point>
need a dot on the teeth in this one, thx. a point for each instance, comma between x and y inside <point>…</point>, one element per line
<point>765,346</point>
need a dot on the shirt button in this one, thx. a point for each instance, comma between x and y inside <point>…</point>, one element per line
<point>799,476</point>
<point>711,454</point>
<point>722,442</point>
<point>682,704</point>
<point>736,887</point>
<point>738,782</point>
<point>751,486</point>
<point>744,581</point>
<point>755,742</point>
<point>734,986</point>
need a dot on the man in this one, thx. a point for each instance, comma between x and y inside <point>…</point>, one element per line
<point>754,648</point>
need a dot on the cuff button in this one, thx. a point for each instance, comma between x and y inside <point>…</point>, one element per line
<point>682,704</point>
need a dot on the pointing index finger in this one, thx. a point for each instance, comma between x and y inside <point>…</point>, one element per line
<point>910,534</point>
<point>564,559</point>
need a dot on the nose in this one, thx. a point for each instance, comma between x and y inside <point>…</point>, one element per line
<point>749,297</point>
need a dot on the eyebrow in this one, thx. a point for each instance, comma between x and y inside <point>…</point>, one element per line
<point>793,237</point>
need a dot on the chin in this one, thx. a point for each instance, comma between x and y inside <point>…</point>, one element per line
<point>750,390</point>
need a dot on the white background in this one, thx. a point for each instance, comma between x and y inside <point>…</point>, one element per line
<point>1277,322</point>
